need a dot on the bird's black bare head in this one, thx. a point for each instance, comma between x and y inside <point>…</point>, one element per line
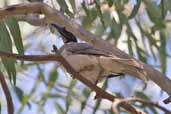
<point>66,35</point>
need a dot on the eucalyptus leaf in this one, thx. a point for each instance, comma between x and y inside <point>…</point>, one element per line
<point>16,34</point>
<point>97,2</point>
<point>59,109</point>
<point>64,7</point>
<point>6,45</point>
<point>135,9</point>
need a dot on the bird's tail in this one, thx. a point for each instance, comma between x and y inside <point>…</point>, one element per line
<point>156,76</point>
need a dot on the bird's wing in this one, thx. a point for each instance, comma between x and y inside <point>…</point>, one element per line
<point>83,48</point>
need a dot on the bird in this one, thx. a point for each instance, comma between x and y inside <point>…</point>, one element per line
<point>96,64</point>
<point>93,63</point>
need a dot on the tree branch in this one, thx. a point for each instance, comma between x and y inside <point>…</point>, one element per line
<point>54,16</point>
<point>147,103</point>
<point>51,57</point>
<point>57,57</point>
<point>10,106</point>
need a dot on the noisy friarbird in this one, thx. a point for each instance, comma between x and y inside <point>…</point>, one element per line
<point>96,64</point>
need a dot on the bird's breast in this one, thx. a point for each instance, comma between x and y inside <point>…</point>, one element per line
<point>88,66</point>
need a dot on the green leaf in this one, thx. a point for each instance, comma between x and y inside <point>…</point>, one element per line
<point>16,34</point>
<point>25,100</point>
<point>91,15</point>
<point>153,11</point>
<point>52,78</point>
<point>130,46</point>
<point>162,51</point>
<point>110,3</point>
<point>135,9</point>
<point>165,7</point>
<point>59,109</point>
<point>153,110</point>
<point>0,108</point>
<point>64,7</point>
<point>19,93</point>
<point>69,94</point>
<point>6,45</point>
<point>96,106</point>
<point>155,15</point>
<point>123,18</point>
<point>86,93</point>
<point>141,95</point>
<point>72,2</point>
<point>115,30</point>
<point>97,3</point>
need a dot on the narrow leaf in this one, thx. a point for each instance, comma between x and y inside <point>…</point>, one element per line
<point>110,3</point>
<point>162,51</point>
<point>6,45</point>
<point>64,7</point>
<point>16,34</point>
<point>59,109</point>
<point>135,9</point>
<point>19,93</point>
<point>72,2</point>
<point>52,78</point>
<point>97,2</point>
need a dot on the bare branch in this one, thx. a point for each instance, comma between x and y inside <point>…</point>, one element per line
<point>144,102</point>
<point>10,106</point>
<point>50,57</point>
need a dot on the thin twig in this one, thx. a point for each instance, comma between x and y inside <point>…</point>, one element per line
<point>50,57</point>
<point>10,106</point>
<point>147,103</point>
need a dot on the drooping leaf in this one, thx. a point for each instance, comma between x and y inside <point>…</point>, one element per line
<point>72,2</point>
<point>19,93</point>
<point>155,14</point>
<point>130,46</point>
<point>25,101</point>
<point>86,93</point>
<point>16,34</point>
<point>97,2</point>
<point>141,95</point>
<point>6,45</point>
<point>135,9</point>
<point>96,106</point>
<point>52,78</point>
<point>64,7</point>
<point>165,7</point>
<point>69,94</point>
<point>153,11</point>
<point>110,3</point>
<point>162,51</point>
<point>90,16</point>
<point>115,30</point>
<point>59,109</point>
<point>0,107</point>
<point>153,109</point>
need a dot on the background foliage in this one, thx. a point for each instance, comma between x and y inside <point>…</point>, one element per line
<point>139,27</point>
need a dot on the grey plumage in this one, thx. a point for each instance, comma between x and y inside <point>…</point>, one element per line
<point>96,64</point>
